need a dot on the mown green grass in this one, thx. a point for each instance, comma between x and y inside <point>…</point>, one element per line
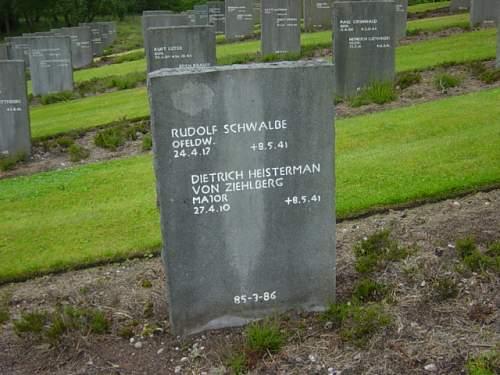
<point>419,8</point>
<point>435,24</point>
<point>62,219</point>
<point>98,110</point>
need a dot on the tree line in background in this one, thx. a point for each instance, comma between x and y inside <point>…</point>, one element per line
<point>28,14</point>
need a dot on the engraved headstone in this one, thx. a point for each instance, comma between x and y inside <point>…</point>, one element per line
<point>180,47</point>
<point>97,41</point>
<point>108,32</point>
<point>162,20</point>
<point>15,133</point>
<point>19,49</point>
<point>363,44</point>
<point>239,18</point>
<point>401,18</point>
<point>280,27</point>
<point>459,5</point>
<point>201,14</point>
<point>4,51</point>
<point>51,66</point>
<point>483,11</point>
<point>256,12</point>
<point>81,44</point>
<point>317,15</point>
<point>216,16</point>
<point>245,176</point>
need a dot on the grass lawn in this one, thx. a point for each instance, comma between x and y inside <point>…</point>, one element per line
<point>62,219</point>
<point>419,8</point>
<point>99,110</point>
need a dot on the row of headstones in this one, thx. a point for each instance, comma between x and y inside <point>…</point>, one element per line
<point>480,10</point>
<point>244,163</point>
<point>51,56</point>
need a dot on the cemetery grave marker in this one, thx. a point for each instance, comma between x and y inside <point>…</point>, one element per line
<point>15,133</point>
<point>459,5</point>
<point>4,51</point>
<point>216,16</point>
<point>202,14</point>
<point>245,178</point>
<point>239,18</point>
<point>81,44</point>
<point>483,11</point>
<point>401,18</point>
<point>97,41</point>
<point>19,49</point>
<point>317,15</point>
<point>280,27</point>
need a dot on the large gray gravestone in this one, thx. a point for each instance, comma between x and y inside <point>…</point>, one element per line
<point>317,15</point>
<point>363,44</point>
<point>245,177</point>
<point>216,16</point>
<point>19,49</point>
<point>483,11</point>
<point>162,20</point>
<point>108,33</point>
<point>180,47</point>
<point>4,51</point>
<point>401,18</point>
<point>51,66</point>
<point>97,41</point>
<point>239,18</point>
<point>81,44</point>
<point>15,134</point>
<point>280,27</point>
<point>459,5</point>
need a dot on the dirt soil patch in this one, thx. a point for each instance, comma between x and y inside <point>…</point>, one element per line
<point>425,333</point>
<point>434,13</point>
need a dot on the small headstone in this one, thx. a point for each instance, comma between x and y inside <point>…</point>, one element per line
<point>401,18</point>
<point>456,5</point>
<point>4,51</point>
<point>483,11</point>
<point>256,12</point>
<point>51,66</point>
<point>245,176</point>
<point>108,33</point>
<point>239,19</point>
<point>216,16</point>
<point>317,15</point>
<point>280,27</point>
<point>15,134</point>
<point>97,40</point>
<point>180,47</point>
<point>201,14</point>
<point>19,49</point>
<point>363,44</point>
<point>81,44</point>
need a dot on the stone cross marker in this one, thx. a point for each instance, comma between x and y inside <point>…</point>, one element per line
<point>245,177</point>
<point>483,11</point>
<point>15,134</point>
<point>401,18</point>
<point>459,5</point>
<point>19,49</point>
<point>81,44</point>
<point>4,52</point>
<point>239,18</point>
<point>317,15</point>
<point>51,66</point>
<point>363,44</point>
<point>216,16</point>
<point>180,47</point>
<point>280,27</point>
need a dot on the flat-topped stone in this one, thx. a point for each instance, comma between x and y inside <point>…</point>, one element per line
<point>484,11</point>
<point>216,16</point>
<point>19,49</point>
<point>280,27</point>
<point>15,133</point>
<point>317,15</point>
<point>401,18</point>
<point>97,39</point>
<point>51,66</point>
<point>239,19</point>
<point>81,44</point>
<point>162,20</point>
<point>456,5</point>
<point>156,12</point>
<point>245,178</point>
<point>4,51</point>
<point>363,44</point>
<point>180,46</point>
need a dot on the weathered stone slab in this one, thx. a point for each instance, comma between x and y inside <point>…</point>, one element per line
<point>19,49</point>
<point>483,11</point>
<point>51,66</point>
<point>280,27</point>
<point>162,20</point>
<point>180,47</point>
<point>15,133</point>
<point>235,136</point>
<point>216,16</point>
<point>97,40</point>
<point>4,51</point>
<point>363,44</point>
<point>401,18</point>
<point>459,5</point>
<point>239,18</point>
<point>108,32</point>
<point>201,14</point>
<point>317,15</point>
<point>81,44</point>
